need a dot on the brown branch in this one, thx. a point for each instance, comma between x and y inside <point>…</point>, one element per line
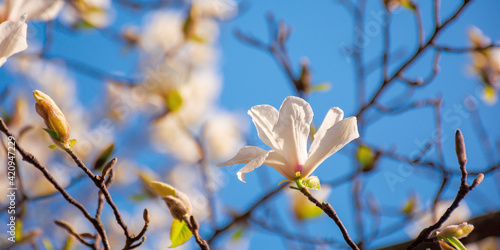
<point>328,209</point>
<point>358,216</point>
<point>72,232</point>
<point>34,161</point>
<point>484,226</point>
<point>279,34</point>
<point>408,62</point>
<point>462,192</point>
<point>244,216</point>
<point>465,49</point>
<point>193,226</point>
<point>99,182</point>
<point>420,24</point>
<point>439,146</point>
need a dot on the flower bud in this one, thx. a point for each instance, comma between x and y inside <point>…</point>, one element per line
<point>53,117</point>
<point>458,231</point>
<point>178,203</point>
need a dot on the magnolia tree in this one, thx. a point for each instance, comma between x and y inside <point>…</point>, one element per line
<point>123,124</point>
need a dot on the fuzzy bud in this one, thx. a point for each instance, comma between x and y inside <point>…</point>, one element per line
<point>178,203</point>
<point>53,117</point>
<point>458,231</point>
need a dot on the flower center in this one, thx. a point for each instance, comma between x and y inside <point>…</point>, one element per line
<point>298,168</point>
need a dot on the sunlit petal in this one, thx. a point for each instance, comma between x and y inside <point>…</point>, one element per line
<point>292,130</point>
<point>12,38</point>
<point>334,139</point>
<point>253,164</point>
<point>278,162</point>
<point>333,116</point>
<point>265,117</point>
<point>44,10</point>
<point>245,155</point>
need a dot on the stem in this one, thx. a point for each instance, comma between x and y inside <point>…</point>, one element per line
<point>34,161</point>
<point>193,226</point>
<point>328,209</point>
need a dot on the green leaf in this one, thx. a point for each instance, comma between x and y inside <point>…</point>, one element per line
<point>366,156</point>
<point>69,243</point>
<point>52,146</point>
<point>312,182</point>
<point>82,24</point>
<point>322,87</point>
<point>409,206</point>
<point>409,5</point>
<point>6,117</point>
<point>237,235</point>
<point>47,244</point>
<point>179,233</point>
<point>72,143</point>
<point>138,197</point>
<point>187,26</point>
<point>198,39</point>
<point>52,133</point>
<point>455,243</point>
<point>173,100</point>
<point>104,156</point>
<point>19,230</point>
<point>489,95</point>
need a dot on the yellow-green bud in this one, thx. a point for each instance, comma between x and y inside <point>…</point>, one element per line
<point>53,117</point>
<point>458,231</point>
<point>178,203</point>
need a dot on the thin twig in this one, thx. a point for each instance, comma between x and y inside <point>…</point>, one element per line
<point>193,226</point>
<point>72,232</point>
<point>328,209</point>
<point>465,49</point>
<point>244,215</point>
<point>408,62</point>
<point>462,192</point>
<point>34,161</point>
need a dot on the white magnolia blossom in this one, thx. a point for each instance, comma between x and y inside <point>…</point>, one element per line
<point>12,38</point>
<point>95,13</point>
<point>221,9</point>
<point>163,31</point>
<point>13,17</point>
<point>286,132</point>
<point>170,136</point>
<point>222,136</point>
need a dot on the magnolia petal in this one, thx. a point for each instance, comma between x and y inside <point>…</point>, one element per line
<point>245,155</point>
<point>292,130</point>
<point>253,164</point>
<point>334,139</point>
<point>12,38</point>
<point>43,10</point>
<point>333,116</point>
<point>278,162</point>
<point>265,117</point>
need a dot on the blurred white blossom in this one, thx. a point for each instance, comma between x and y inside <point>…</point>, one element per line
<point>222,136</point>
<point>88,13</point>
<point>485,64</point>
